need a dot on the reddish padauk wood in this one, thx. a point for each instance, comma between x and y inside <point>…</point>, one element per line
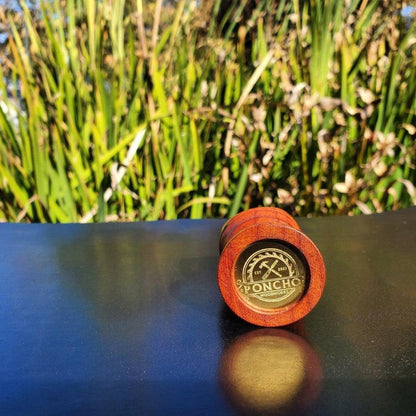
<point>269,273</point>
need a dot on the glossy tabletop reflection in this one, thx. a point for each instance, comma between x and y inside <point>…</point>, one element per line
<point>108,319</point>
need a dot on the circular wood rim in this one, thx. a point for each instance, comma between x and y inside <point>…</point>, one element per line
<point>267,317</point>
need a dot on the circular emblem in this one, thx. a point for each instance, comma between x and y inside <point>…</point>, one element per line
<point>270,275</point>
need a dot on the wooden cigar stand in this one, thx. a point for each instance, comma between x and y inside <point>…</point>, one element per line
<point>269,273</point>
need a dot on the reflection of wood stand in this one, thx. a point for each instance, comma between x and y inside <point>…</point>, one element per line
<point>270,372</point>
<point>269,273</point>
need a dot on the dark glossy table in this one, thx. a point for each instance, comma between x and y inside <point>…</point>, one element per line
<point>126,319</point>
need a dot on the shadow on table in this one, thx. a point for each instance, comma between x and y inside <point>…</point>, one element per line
<point>125,272</point>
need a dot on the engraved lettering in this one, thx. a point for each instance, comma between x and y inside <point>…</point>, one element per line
<point>296,281</point>
<point>257,287</point>
<point>276,284</point>
<point>271,277</point>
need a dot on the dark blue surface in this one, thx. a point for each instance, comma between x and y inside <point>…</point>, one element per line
<point>127,319</point>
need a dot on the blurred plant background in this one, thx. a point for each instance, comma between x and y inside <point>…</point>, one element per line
<point>128,110</point>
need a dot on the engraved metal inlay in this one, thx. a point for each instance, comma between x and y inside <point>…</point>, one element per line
<point>270,275</point>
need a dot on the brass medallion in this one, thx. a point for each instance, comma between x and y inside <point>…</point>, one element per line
<point>270,274</point>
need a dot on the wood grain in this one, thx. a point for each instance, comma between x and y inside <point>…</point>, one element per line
<point>238,222</point>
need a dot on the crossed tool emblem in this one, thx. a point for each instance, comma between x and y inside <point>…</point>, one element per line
<point>270,269</point>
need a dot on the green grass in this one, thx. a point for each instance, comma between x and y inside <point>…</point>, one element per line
<point>133,111</point>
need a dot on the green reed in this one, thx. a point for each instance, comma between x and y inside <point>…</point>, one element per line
<point>137,110</point>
